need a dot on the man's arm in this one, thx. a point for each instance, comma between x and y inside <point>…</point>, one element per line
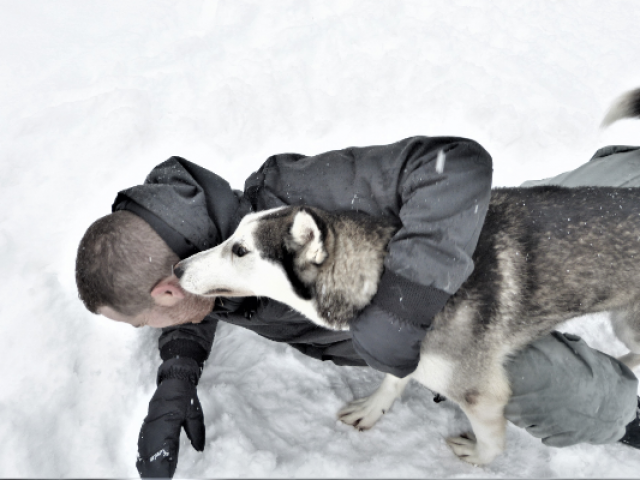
<point>444,195</point>
<point>175,404</point>
<point>191,209</point>
<point>436,188</point>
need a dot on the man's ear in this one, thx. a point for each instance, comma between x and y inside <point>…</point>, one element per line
<point>306,234</point>
<point>167,292</point>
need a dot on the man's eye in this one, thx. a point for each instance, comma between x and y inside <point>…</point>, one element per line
<point>239,250</point>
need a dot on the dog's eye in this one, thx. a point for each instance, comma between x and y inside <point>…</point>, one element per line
<point>239,250</point>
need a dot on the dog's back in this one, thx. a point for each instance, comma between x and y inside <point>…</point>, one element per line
<point>547,254</point>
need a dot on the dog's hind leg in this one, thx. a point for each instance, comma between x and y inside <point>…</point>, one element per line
<point>488,438</point>
<point>365,412</point>
<point>484,406</point>
<point>626,325</point>
<point>482,397</point>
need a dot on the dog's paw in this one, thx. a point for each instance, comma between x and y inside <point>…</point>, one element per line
<point>466,448</point>
<point>364,412</point>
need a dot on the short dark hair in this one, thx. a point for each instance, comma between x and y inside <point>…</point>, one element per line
<point>120,259</point>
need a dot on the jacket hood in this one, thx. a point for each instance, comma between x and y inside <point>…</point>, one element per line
<point>191,208</point>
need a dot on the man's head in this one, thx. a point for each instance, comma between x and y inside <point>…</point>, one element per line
<point>124,272</point>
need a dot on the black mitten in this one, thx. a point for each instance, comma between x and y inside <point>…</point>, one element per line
<point>174,405</point>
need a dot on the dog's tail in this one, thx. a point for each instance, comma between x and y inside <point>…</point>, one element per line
<point>625,106</point>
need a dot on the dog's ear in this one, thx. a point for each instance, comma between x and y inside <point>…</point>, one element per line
<point>307,235</point>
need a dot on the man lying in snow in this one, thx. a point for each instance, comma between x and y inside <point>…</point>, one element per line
<point>182,209</point>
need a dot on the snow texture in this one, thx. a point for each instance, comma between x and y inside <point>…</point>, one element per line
<point>94,94</point>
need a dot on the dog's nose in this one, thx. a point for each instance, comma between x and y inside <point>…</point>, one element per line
<point>178,270</point>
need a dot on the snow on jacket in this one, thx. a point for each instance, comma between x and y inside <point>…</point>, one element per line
<point>436,189</point>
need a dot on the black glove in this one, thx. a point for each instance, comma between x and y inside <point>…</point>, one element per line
<point>175,404</point>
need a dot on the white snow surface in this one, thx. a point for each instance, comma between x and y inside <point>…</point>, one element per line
<point>94,94</point>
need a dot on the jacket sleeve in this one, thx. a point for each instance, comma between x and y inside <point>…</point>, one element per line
<point>188,340</point>
<point>436,189</point>
<point>194,340</point>
<point>444,196</point>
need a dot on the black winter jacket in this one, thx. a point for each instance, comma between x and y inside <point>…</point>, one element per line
<point>436,189</point>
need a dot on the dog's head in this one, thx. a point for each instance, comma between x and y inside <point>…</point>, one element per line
<point>274,253</point>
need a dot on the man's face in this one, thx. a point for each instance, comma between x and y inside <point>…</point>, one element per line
<point>188,309</point>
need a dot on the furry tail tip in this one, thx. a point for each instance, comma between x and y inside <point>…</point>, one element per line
<point>625,106</point>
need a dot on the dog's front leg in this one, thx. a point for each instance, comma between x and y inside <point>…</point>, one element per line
<point>365,412</point>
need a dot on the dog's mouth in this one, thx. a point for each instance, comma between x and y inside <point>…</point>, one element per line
<point>219,291</point>
<point>225,292</point>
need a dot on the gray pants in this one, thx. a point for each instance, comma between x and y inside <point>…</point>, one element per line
<point>586,396</point>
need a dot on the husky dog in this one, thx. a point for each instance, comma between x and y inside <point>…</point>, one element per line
<point>545,255</point>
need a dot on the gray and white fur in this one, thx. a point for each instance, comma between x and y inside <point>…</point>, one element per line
<point>327,265</point>
<point>545,255</point>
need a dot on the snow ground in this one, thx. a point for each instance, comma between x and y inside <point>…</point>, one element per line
<point>94,94</point>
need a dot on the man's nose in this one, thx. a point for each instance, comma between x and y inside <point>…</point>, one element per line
<point>178,270</point>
